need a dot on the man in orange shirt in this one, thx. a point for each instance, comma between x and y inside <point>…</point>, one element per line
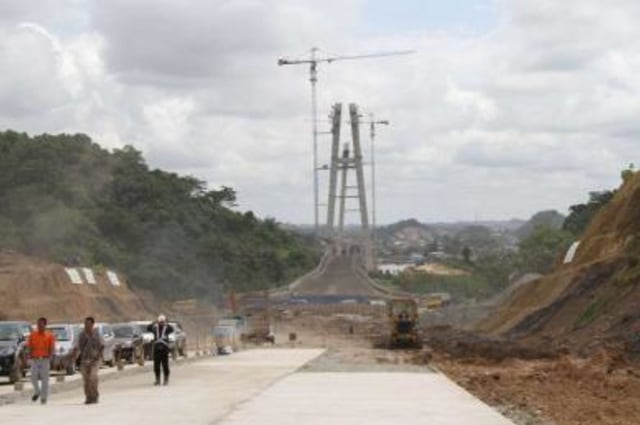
<point>41,345</point>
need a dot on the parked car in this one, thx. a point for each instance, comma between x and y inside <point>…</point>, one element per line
<point>66,337</point>
<point>147,337</point>
<point>129,344</point>
<point>13,356</point>
<point>106,332</point>
<point>178,340</point>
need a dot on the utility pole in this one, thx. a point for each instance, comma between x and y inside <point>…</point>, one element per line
<point>372,135</point>
<point>313,62</point>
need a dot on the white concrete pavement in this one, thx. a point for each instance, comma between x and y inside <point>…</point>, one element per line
<point>365,398</point>
<point>200,392</point>
<point>263,387</point>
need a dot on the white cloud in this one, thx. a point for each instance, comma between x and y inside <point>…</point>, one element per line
<point>529,115</point>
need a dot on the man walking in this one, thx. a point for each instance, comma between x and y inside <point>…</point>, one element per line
<point>89,347</point>
<point>41,345</point>
<point>161,331</point>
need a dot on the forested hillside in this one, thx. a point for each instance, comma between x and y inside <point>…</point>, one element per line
<point>66,199</point>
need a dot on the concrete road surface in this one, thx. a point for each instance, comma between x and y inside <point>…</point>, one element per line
<point>199,393</point>
<point>364,398</point>
<point>263,387</point>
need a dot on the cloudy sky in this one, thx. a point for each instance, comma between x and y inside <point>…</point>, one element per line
<point>508,106</point>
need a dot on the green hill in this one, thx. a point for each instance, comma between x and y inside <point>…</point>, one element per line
<point>66,199</point>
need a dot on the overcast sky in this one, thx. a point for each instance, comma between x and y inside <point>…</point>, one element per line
<point>508,107</point>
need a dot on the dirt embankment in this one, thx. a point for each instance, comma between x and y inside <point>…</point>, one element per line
<point>564,348</point>
<point>31,287</point>
<point>591,302</point>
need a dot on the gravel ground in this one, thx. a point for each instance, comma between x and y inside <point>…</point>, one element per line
<point>365,360</point>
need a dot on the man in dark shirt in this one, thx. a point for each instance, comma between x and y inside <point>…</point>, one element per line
<point>89,347</point>
<point>161,331</point>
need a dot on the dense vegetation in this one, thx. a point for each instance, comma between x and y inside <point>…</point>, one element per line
<point>581,214</point>
<point>551,219</point>
<point>65,198</point>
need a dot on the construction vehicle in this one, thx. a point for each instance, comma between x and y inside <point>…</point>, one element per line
<point>435,300</point>
<point>403,323</point>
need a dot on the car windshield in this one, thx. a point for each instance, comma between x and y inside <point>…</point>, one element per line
<point>61,333</point>
<point>9,332</point>
<point>142,328</point>
<point>123,331</point>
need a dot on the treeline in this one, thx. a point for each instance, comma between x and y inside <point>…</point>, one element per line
<point>65,198</point>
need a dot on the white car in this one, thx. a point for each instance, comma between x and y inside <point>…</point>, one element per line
<point>147,337</point>
<point>65,340</point>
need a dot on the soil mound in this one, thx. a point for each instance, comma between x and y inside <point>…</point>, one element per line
<point>31,287</point>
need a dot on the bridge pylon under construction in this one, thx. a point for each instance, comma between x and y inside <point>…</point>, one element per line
<point>349,255</point>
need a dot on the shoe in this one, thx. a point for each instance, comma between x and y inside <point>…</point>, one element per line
<point>35,397</point>
<point>157,382</point>
<point>166,381</point>
<point>43,401</point>
<point>87,401</point>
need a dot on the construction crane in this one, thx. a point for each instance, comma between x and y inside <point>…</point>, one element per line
<point>313,60</point>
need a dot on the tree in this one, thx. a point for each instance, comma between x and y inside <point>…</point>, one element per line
<point>628,172</point>
<point>539,250</point>
<point>580,215</point>
<point>466,254</point>
<point>550,218</point>
<point>64,196</point>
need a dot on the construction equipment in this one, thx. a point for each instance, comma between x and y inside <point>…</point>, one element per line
<point>435,300</point>
<point>403,322</point>
<point>313,60</point>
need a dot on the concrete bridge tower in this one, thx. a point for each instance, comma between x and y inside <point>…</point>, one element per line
<point>351,159</point>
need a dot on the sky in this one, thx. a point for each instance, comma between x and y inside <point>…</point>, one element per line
<point>507,107</point>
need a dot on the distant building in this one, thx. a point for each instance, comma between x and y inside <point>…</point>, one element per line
<point>393,269</point>
<point>439,255</point>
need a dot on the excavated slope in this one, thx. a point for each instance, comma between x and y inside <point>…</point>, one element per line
<point>31,287</point>
<point>594,299</point>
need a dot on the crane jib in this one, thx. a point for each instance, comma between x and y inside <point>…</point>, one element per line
<point>284,61</point>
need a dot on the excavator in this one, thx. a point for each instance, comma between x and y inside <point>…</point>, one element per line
<point>403,319</point>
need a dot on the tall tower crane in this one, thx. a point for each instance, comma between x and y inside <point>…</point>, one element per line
<point>313,60</point>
